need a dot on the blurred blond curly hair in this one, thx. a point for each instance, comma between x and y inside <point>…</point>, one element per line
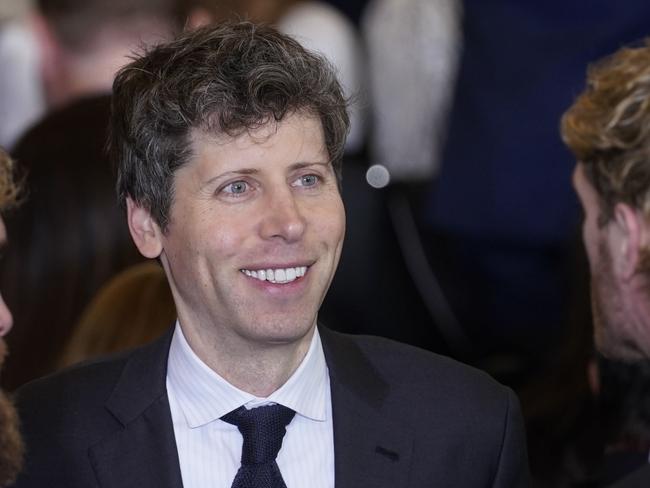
<point>608,129</point>
<point>9,187</point>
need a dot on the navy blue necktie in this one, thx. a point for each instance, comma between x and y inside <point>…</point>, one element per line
<point>263,429</point>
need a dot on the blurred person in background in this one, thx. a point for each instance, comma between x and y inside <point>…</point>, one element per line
<point>413,47</point>
<point>608,130</point>
<point>11,446</point>
<point>82,44</point>
<point>602,433</point>
<point>70,236</point>
<point>132,309</point>
<point>622,393</point>
<point>21,95</point>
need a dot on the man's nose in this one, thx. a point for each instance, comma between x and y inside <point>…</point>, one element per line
<point>283,217</point>
<point>6,320</point>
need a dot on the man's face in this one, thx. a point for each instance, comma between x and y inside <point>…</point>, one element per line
<point>255,234</point>
<point>614,332</point>
<point>6,320</point>
<point>592,233</point>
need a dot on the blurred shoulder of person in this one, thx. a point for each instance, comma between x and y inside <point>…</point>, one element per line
<point>132,309</point>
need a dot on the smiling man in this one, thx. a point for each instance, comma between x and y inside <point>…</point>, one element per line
<point>228,143</point>
<point>608,130</point>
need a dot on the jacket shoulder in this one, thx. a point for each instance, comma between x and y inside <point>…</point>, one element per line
<point>63,404</point>
<point>65,414</point>
<point>455,415</point>
<point>424,374</point>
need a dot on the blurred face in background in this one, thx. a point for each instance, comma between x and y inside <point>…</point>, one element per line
<point>6,320</point>
<point>616,333</point>
<point>11,448</point>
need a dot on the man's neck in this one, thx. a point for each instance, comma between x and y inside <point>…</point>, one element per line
<point>258,369</point>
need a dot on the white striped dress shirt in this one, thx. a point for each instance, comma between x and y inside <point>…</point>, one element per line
<point>209,449</point>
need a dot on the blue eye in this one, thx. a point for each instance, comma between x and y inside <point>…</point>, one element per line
<point>308,180</point>
<point>236,187</point>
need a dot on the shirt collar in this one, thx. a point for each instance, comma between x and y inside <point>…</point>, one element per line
<point>204,396</point>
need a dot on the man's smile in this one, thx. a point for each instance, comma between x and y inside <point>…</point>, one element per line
<point>277,275</point>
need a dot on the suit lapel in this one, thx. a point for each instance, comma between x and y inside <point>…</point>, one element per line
<point>371,447</point>
<point>143,453</point>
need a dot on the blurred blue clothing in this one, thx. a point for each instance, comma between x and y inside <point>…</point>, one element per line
<point>503,198</point>
<point>505,173</point>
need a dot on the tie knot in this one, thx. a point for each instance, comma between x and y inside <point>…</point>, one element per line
<point>263,429</point>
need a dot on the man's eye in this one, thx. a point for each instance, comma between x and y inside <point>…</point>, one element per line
<point>236,187</point>
<point>308,180</point>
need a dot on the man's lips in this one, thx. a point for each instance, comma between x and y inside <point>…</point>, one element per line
<point>277,275</point>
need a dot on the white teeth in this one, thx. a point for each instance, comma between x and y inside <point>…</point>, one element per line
<point>279,275</point>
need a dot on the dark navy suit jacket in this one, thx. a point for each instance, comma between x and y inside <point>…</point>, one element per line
<point>402,417</point>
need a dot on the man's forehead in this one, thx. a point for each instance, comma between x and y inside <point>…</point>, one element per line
<point>295,133</point>
<point>278,145</point>
<point>258,132</point>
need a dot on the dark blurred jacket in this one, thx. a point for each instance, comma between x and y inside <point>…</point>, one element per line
<point>66,239</point>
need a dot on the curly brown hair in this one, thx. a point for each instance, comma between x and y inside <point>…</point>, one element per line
<point>9,187</point>
<point>608,129</point>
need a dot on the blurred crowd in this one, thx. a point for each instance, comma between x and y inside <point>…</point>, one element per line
<point>463,230</point>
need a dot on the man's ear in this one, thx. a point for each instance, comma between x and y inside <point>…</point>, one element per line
<point>627,236</point>
<point>145,231</point>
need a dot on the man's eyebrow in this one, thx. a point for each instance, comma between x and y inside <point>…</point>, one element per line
<point>227,174</point>
<point>306,164</point>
